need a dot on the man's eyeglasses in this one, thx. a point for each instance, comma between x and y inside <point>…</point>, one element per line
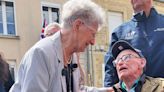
<point>124,58</point>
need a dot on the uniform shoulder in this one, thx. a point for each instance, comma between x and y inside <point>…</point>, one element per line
<point>124,26</point>
<point>161,16</point>
<point>155,80</point>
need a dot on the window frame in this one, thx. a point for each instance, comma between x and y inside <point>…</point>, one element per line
<point>4,18</point>
<point>12,65</point>
<point>50,6</point>
<point>119,15</point>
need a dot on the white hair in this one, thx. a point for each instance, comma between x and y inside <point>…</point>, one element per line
<point>86,10</point>
<point>51,27</point>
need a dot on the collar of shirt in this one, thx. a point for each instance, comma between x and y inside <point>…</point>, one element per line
<point>136,86</point>
<point>141,16</point>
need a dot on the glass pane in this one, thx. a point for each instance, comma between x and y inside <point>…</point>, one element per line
<point>9,6</point>
<point>0,13</point>
<point>0,7</point>
<point>0,16</point>
<point>1,25</point>
<point>45,8</point>
<point>1,28</point>
<point>55,17</point>
<point>55,14</point>
<point>12,72</point>
<point>55,9</point>
<point>46,16</point>
<point>11,29</point>
<point>10,12</point>
<point>10,17</point>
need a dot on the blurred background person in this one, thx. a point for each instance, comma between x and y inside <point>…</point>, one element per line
<point>6,80</point>
<point>51,28</point>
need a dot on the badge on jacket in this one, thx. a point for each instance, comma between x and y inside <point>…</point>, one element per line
<point>130,35</point>
<point>159,29</point>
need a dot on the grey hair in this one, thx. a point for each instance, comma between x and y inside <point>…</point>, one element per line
<point>86,10</point>
<point>51,26</point>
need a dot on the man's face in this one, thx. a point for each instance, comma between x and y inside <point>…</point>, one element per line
<point>130,64</point>
<point>138,5</point>
<point>86,36</point>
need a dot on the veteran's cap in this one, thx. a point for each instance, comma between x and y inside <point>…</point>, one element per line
<point>121,45</point>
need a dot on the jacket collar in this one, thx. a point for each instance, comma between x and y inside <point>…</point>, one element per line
<point>56,38</point>
<point>141,16</point>
<point>136,86</point>
<point>150,84</point>
<point>145,84</point>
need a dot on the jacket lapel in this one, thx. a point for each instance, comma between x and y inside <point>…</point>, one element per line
<point>150,85</point>
<point>63,83</point>
<point>58,47</point>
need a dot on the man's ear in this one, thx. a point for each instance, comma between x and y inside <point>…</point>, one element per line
<point>143,62</point>
<point>77,23</point>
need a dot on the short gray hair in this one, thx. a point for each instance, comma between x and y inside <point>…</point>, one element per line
<point>86,10</point>
<point>50,27</point>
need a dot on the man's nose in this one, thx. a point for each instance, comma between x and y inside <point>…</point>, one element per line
<point>120,63</point>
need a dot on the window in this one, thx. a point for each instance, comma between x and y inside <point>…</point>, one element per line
<point>1,22</point>
<point>114,20</point>
<point>7,23</point>
<point>50,14</point>
<point>12,67</point>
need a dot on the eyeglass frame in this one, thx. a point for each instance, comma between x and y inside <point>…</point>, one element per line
<point>124,59</point>
<point>91,29</point>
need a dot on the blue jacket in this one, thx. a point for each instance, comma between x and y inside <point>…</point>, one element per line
<point>146,34</point>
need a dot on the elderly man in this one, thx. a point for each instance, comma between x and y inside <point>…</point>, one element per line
<point>47,66</point>
<point>145,32</point>
<point>51,29</point>
<point>130,66</point>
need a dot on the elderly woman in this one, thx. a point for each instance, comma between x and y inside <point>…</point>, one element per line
<point>47,66</point>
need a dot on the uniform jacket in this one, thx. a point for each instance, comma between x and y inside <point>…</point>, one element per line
<point>145,34</point>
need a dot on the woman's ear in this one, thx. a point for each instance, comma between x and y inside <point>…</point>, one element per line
<point>77,23</point>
